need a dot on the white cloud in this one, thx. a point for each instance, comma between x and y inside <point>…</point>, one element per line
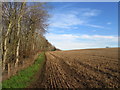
<point>69,20</point>
<point>109,23</point>
<point>100,37</point>
<point>84,36</point>
<point>70,41</point>
<point>95,26</point>
<point>65,21</point>
<point>91,12</point>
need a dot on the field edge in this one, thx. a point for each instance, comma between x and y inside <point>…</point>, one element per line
<point>25,77</point>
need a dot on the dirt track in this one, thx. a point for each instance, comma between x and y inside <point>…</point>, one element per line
<point>96,68</point>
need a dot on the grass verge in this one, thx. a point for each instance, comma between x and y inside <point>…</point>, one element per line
<point>25,77</point>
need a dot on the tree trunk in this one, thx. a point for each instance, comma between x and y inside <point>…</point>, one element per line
<point>5,46</point>
<point>33,47</point>
<point>18,35</point>
<point>18,44</point>
<point>17,54</point>
<point>8,69</point>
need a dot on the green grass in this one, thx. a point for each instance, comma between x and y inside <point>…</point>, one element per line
<point>26,76</point>
<point>53,50</point>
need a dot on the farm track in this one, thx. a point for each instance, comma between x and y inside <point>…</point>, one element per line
<point>81,69</point>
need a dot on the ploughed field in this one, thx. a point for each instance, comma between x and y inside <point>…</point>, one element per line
<point>89,68</point>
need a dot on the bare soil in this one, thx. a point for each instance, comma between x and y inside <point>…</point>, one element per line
<point>90,68</point>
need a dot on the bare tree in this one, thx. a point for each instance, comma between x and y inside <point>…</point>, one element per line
<point>24,25</point>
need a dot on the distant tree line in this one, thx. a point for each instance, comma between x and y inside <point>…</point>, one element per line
<point>23,27</point>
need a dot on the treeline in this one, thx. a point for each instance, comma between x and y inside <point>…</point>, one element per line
<point>23,27</point>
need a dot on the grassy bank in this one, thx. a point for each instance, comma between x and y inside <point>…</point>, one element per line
<point>26,76</point>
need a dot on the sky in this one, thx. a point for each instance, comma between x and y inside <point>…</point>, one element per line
<point>81,25</point>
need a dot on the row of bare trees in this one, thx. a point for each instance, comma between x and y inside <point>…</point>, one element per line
<point>23,27</point>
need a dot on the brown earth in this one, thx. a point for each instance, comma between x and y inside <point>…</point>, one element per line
<point>90,68</point>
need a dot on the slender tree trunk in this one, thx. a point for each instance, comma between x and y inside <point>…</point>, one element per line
<point>9,69</point>
<point>17,54</point>
<point>18,35</point>
<point>18,43</point>
<point>33,46</point>
<point>5,46</point>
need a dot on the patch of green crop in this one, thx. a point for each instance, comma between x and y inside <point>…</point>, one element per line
<point>24,77</point>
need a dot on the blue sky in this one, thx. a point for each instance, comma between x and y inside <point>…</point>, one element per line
<point>83,25</point>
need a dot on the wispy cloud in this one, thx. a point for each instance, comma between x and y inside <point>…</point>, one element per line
<point>94,26</point>
<point>69,20</point>
<point>70,41</point>
<point>84,36</point>
<point>91,12</point>
<point>65,21</point>
<point>99,37</point>
<point>109,23</point>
